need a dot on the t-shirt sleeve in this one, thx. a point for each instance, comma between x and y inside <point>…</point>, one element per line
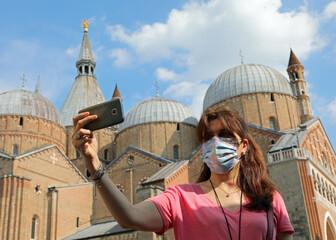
<point>165,203</point>
<point>283,223</point>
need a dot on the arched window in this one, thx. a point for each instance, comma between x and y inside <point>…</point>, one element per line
<point>86,69</point>
<point>33,228</point>
<point>296,75</point>
<point>91,71</point>
<point>15,150</point>
<point>105,154</point>
<point>330,228</point>
<point>272,123</point>
<point>21,121</point>
<point>176,152</point>
<point>80,69</point>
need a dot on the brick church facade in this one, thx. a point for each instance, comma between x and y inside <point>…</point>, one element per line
<point>44,193</point>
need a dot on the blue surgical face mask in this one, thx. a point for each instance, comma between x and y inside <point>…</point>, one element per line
<point>220,154</point>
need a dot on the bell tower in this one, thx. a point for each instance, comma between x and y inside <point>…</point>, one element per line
<point>295,72</point>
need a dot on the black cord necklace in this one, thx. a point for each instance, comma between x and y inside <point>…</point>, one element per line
<point>240,211</point>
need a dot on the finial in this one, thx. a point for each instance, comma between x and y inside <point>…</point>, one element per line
<point>156,85</point>
<point>85,23</point>
<point>23,78</point>
<point>38,86</point>
<point>241,56</point>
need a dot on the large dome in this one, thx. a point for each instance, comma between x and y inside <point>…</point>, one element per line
<point>26,103</point>
<point>158,110</point>
<point>245,79</point>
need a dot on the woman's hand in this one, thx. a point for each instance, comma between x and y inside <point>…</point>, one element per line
<point>85,142</point>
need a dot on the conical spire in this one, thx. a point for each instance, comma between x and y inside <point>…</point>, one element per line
<point>293,60</point>
<point>85,52</point>
<point>85,91</point>
<point>116,93</point>
<point>38,86</point>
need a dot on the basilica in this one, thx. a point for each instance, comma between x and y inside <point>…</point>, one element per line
<point>44,193</point>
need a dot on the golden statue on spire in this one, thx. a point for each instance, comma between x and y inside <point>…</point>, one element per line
<point>85,23</point>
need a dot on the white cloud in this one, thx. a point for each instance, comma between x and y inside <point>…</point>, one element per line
<point>73,51</point>
<point>332,110</point>
<point>122,57</point>
<point>164,74</point>
<point>203,39</point>
<point>55,68</point>
<point>330,10</point>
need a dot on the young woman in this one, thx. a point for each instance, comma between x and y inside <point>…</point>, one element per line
<point>232,199</point>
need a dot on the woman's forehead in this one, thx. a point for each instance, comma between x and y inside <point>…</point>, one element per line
<point>216,125</point>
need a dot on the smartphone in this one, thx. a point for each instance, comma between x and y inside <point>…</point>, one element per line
<point>109,113</point>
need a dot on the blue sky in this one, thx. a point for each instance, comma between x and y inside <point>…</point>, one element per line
<point>183,45</point>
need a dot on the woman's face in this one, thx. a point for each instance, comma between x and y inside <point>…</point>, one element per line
<point>216,129</point>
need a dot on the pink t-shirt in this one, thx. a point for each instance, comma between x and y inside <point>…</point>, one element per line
<point>193,215</point>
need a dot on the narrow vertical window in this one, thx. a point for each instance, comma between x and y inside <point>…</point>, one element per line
<point>86,69</point>
<point>33,228</point>
<point>77,222</point>
<point>77,154</point>
<point>176,152</point>
<point>272,97</point>
<point>80,70</point>
<point>105,154</point>
<point>296,76</point>
<point>15,150</point>
<point>272,123</point>
<point>21,121</point>
<point>178,127</point>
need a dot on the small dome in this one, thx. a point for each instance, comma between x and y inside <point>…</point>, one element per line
<point>26,103</point>
<point>246,79</point>
<point>158,110</point>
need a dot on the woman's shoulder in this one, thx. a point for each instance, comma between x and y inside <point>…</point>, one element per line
<point>185,187</point>
<point>277,197</point>
<point>278,202</point>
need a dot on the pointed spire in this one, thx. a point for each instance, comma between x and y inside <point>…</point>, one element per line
<point>38,86</point>
<point>85,91</point>
<point>293,60</point>
<point>85,52</point>
<point>116,93</point>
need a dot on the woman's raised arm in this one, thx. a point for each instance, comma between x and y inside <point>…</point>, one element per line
<point>143,216</point>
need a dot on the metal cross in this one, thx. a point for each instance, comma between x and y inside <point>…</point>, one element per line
<point>156,85</point>
<point>23,78</point>
<point>241,56</point>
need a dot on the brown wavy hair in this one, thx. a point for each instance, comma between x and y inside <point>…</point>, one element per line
<point>253,179</point>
